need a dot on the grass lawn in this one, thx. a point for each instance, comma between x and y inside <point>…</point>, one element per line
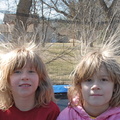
<point>60,59</point>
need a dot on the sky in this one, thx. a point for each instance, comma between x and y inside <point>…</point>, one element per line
<point>11,8</point>
<point>5,7</point>
<point>1,16</point>
<point>108,2</point>
<point>2,7</point>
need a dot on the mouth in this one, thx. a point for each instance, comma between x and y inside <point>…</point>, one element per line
<point>96,95</point>
<point>24,85</point>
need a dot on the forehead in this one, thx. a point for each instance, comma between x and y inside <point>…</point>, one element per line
<point>102,71</point>
<point>19,64</point>
<point>29,65</point>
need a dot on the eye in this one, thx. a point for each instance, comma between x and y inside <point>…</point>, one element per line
<point>31,71</point>
<point>88,80</point>
<point>17,71</point>
<point>104,79</point>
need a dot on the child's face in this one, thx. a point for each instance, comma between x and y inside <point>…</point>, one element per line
<point>24,82</point>
<point>97,91</point>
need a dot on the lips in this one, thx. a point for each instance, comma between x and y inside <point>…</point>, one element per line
<point>96,95</point>
<point>24,85</point>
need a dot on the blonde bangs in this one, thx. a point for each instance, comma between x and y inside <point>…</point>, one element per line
<point>87,67</point>
<point>19,58</point>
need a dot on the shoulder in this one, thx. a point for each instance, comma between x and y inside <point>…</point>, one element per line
<point>1,112</point>
<point>64,115</point>
<point>49,112</point>
<point>54,111</point>
<point>6,114</point>
<point>70,113</point>
<point>111,114</point>
<point>115,113</point>
<point>115,116</point>
<point>53,106</point>
<point>8,111</point>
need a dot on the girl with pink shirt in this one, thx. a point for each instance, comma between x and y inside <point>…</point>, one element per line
<point>95,92</point>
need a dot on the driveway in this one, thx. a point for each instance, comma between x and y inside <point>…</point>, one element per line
<point>60,92</point>
<point>62,103</point>
<point>62,100</point>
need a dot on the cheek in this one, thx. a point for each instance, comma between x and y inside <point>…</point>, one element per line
<point>109,90</point>
<point>13,81</point>
<point>108,95</point>
<point>36,81</point>
<point>84,91</point>
<point>84,87</point>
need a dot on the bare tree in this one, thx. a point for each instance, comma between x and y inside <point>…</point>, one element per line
<point>84,12</point>
<point>108,9</point>
<point>23,10</point>
<point>112,15</point>
<point>89,13</point>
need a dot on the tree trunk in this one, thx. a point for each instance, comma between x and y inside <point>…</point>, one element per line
<point>108,10</point>
<point>22,13</point>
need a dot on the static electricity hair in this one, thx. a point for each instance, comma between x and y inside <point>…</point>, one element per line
<point>15,56</point>
<point>108,56</point>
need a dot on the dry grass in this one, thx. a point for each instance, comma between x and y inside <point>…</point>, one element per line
<point>60,59</point>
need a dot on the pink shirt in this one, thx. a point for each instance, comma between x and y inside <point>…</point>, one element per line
<point>78,113</point>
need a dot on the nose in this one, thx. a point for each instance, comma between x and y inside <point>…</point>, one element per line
<point>95,86</point>
<point>24,76</point>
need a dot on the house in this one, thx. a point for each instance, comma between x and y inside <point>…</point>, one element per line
<point>50,34</point>
<point>9,18</point>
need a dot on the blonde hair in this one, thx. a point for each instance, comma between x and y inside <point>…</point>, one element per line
<point>106,56</point>
<point>16,56</point>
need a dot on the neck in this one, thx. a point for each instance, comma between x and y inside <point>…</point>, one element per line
<point>95,111</point>
<point>24,104</point>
